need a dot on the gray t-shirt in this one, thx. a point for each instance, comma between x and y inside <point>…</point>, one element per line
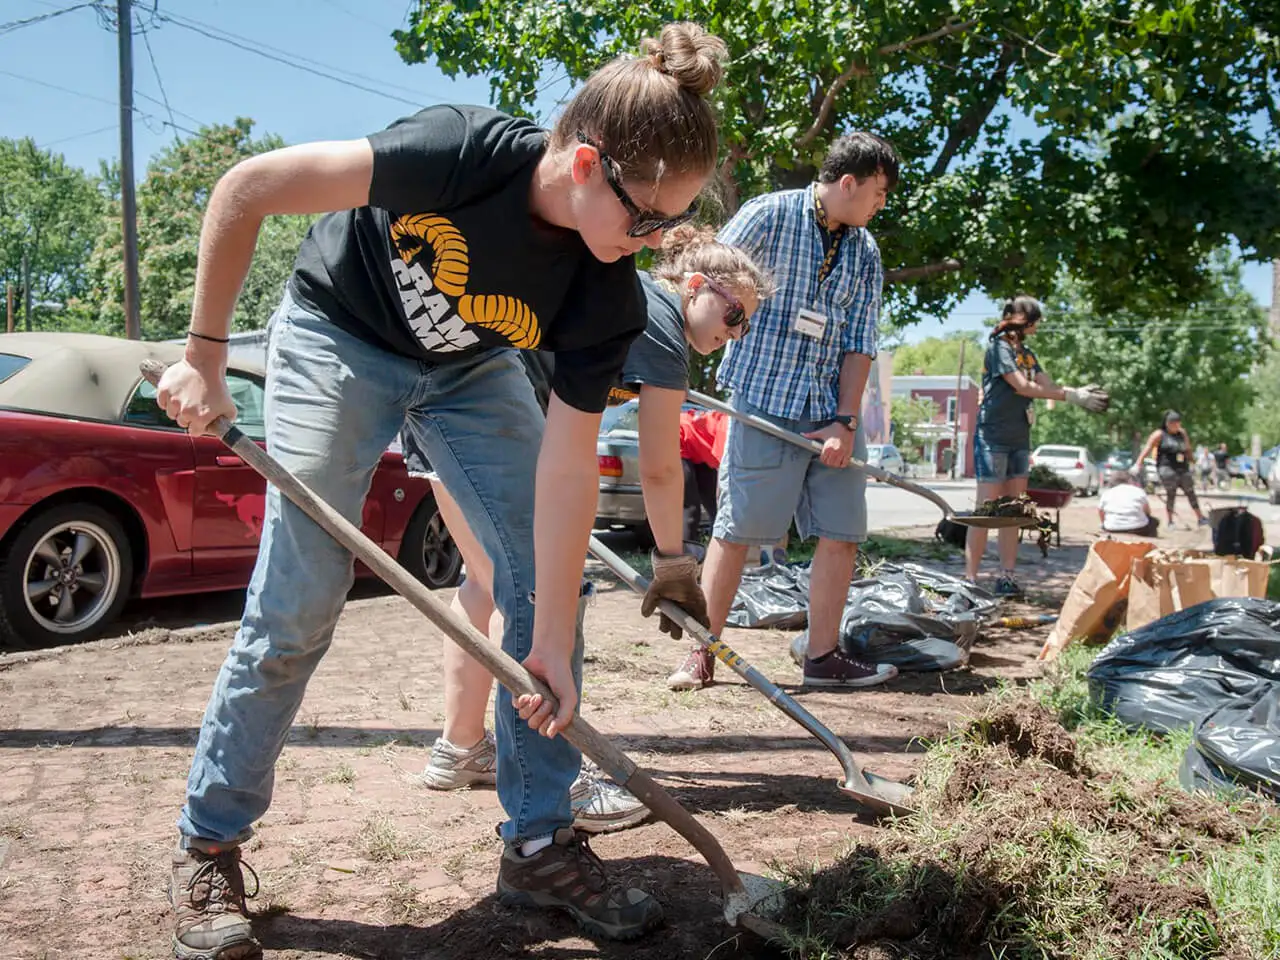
<point>1002,418</point>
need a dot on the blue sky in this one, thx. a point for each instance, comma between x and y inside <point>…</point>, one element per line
<point>210,81</point>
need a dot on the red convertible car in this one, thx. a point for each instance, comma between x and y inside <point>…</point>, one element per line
<point>104,498</point>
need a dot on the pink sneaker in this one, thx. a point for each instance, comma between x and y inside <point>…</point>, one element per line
<point>697,671</point>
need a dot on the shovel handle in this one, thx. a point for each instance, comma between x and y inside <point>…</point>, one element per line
<point>509,673</point>
<point>813,446</point>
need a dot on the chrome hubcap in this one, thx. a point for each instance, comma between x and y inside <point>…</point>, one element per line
<point>72,576</point>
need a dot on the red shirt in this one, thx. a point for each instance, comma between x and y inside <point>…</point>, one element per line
<point>702,436</point>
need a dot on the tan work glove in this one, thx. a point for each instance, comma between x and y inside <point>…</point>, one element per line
<point>1090,397</point>
<point>675,579</point>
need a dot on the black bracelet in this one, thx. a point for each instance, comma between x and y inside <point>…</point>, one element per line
<point>205,336</point>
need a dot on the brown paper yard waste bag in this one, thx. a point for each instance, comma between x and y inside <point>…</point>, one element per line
<point>1164,582</point>
<point>1097,597</point>
<point>1155,583</point>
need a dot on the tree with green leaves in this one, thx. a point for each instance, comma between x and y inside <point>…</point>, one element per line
<point>935,356</point>
<point>1197,361</point>
<point>50,215</point>
<point>1126,142</point>
<point>1263,417</point>
<point>908,414</point>
<point>172,199</point>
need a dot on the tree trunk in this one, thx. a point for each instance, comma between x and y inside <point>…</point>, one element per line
<point>26,291</point>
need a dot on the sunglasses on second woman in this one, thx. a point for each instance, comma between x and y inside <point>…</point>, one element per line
<point>735,314</point>
<point>643,222</point>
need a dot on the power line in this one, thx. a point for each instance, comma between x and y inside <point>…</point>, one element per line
<point>146,41</point>
<point>13,25</point>
<point>76,136</point>
<point>97,99</point>
<point>296,61</point>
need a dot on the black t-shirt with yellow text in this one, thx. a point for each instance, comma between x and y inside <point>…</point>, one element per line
<point>447,259</point>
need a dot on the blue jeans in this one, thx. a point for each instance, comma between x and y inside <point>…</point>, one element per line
<point>333,405</point>
<point>994,463</point>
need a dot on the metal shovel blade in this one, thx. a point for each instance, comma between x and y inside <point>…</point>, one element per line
<point>887,798</point>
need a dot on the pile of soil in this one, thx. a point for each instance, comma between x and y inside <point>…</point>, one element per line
<point>1021,846</point>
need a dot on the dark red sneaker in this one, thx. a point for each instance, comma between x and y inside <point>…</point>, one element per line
<point>697,671</point>
<point>838,669</point>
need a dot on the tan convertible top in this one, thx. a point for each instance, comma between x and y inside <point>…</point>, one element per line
<point>80,375</point>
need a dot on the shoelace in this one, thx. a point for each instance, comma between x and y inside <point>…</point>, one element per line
<point>221,873</point>
<point>594,874</point>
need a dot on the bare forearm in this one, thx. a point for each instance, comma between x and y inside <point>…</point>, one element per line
<point>568,485</point>
<point>227,241</point>
<point>664,506</point>
<point>854,369</point>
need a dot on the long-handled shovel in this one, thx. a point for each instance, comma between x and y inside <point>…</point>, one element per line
<point>878,795</point>
<point>742,892</point>
<point>813,446</point>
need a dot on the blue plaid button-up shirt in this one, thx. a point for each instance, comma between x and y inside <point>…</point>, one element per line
<point>775,368</point>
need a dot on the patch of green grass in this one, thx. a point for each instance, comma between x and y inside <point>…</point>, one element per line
<point>1244,882</point>
<point>1273,583</point>
<point>1110,745</point>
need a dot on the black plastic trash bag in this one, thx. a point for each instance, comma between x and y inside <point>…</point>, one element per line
<point>1237,746</point>
<point>772,595</point>
<point>1175,670</point>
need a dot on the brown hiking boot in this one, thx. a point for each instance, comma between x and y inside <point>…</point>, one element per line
<point>568,876</point>
<point>208,897</point>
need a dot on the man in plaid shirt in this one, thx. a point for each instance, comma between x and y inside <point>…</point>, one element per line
<point>804,368</point>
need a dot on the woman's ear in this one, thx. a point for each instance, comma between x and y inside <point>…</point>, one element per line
<point>585,160</point>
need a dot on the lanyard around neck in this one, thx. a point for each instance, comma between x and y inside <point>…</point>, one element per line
<point>831,237</point>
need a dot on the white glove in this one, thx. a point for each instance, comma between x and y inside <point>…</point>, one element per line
<point>1135,470</point>
<point>1091,397</point>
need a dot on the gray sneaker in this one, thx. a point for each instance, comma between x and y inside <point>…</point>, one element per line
<point>451,767</point>
<point>600,805</point>
<point>208,896</point>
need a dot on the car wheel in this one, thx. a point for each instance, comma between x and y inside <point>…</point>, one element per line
<point>65,576</point>
<point>428,550</point>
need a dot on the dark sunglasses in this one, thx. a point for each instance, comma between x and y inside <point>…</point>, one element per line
<point>643,222</point>
<point>735,314</point>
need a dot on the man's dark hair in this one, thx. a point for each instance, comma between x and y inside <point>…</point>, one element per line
<point>863,155</point>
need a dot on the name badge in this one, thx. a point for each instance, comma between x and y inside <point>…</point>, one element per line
<point>810,323</point>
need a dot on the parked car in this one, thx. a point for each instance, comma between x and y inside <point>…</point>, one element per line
<point>104,498</point>
<point>1118,461</point>
<point>621,504</point>
<point>1074,463</point>
<point>886,457</point>
<point>1273,482</point>
<point>1266,462</point>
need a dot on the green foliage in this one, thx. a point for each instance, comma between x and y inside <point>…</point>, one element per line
<point>1263,417</point>
<point>1196,360</point>
<point>906,415</point>
<point>941,355</point>
<point>1125,144</point>
<point>1043,478</point>
<point>172,199</point>
<point>50,213</point>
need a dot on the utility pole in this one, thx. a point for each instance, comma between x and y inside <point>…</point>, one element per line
<point>128,203</point>
<point>8,315</point>
<point>956,465</point>
<point>1275,299</point>
<point>26,290</point>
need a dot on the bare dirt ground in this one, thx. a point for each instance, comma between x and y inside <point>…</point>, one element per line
<point>357,860</point>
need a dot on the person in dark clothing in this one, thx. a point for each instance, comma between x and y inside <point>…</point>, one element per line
<point>1011,380</point>
<point>449,238</point>
<point>1172,447</point>
<point>1221,470</point>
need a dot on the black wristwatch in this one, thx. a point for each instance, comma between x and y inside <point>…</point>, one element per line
<point>847,420</point>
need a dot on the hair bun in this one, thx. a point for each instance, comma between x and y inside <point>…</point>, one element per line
<point>688,53</point>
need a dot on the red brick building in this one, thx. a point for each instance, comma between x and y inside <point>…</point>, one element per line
<point>956,419</point>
